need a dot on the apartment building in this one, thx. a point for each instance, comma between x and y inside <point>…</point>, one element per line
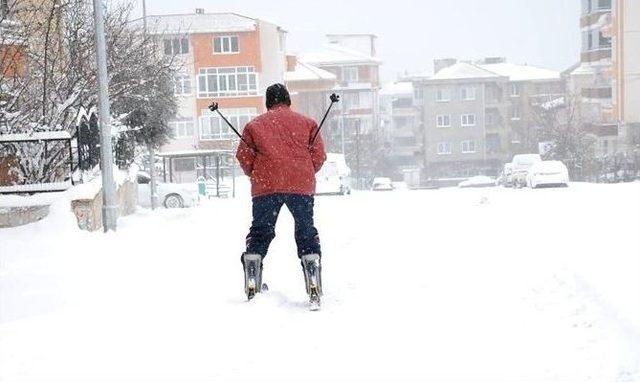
<point>591,80</point>
<point>352,58</point>
<point>225,57</point>
<point>309,87</point>
<point>476,116</point>
<point>625,35</point>
<point>401,132</point>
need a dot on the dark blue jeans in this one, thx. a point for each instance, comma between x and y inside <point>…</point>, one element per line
<point>265,214</point>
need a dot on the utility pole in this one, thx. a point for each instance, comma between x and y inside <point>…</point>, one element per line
<point>109,206</point>
<point>151,149</point>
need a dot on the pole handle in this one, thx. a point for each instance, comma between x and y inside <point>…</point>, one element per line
<point>334,99</point>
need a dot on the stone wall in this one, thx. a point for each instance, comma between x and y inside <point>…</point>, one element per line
<point>17,216</point>
<point>89,211</point>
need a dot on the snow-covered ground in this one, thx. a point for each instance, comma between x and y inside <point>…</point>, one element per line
<point>450,284</point>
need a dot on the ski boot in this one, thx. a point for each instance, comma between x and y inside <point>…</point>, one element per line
<point>312,278</point>
<point>252,264</point>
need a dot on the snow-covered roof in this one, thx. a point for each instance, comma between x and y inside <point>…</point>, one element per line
<point>36,136</point>
<point>463,70</point>
<point>466,70</point>
<point>522,72</point>
<point>307,72</point>
<point>201,23</point>
<point>336,54</point>
<point>397,88</point>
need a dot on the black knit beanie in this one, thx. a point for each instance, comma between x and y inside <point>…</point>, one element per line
<point>277,94</point>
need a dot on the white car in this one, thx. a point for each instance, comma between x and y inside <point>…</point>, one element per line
<point>520,168</point>
<point>478,181</point>
<point>333,177</point>
<point>548,173</point>
<point>170,195</point>
<point>382,184</point>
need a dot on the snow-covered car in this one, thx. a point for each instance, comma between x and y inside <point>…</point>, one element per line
<point>548,173</point>
<point>170,195</point>
<point>477,182</point>
<point>382,184</point>
<point>333,177</point>
<point>521,164</point>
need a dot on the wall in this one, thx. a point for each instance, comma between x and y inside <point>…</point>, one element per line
<point>272,55</point>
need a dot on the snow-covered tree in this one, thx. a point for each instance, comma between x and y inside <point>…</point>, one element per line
<point>56,41</point>
<point>561,126</point>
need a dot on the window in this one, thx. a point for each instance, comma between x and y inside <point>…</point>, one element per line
<point>366,100</point>
<point>184,164</point>
<point>515,90</point>
<point>182,128</point>
<point>468,147</point>
<point>227,82</point>
<point>603,42</point>
<point>444,148</point>
<point>444,121</point>
<point>212,127</point>
<point>468,120</point>
<point>182,85</point>
<point>174,46</point>
<point>515,113</point>
<point>604,4</point>
<point>350,74</point>
<point>442,95</point>
<point>225,45</point>
<point>468,93</point>
<point>351,100</point>
<point>418,93</point>
<point>490,119</point>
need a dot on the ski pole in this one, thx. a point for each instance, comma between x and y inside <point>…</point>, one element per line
<point>334,99</point>
<point>214,107</point>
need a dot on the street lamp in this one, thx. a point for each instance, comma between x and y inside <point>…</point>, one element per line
<point>109,206</point>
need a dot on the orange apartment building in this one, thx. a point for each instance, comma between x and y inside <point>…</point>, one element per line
<point>225,57</point>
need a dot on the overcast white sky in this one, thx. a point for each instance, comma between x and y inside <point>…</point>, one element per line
<point>411,33</point>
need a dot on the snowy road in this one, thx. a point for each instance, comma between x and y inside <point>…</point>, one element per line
<point>485,284</point>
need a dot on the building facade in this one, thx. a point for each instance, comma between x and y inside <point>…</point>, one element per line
<point>401,132</point>
<point>476,116</point>
<point>625,35</point>
<point>225,57</point>
<point>353,128</point>
<point>309,87</point>
<point>592,80</point>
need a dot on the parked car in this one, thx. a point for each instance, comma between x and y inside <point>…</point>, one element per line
<point>382,184</point>
<point>333,177</point>
<point>477,182</point>
<point>170,195</point>
<point>506,176</point>
<point>548,173</point>
<point>521,164</point>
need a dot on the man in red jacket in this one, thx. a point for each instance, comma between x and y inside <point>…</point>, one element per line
<point>277,154</point>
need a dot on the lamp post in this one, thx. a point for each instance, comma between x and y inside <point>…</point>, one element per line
<point>109,206</point>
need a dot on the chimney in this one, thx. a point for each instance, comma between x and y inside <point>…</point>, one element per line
<point>199,11</point>
<point>292,61</point>
<point>441,63</point>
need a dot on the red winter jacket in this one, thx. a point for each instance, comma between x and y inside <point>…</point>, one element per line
<point>278,157</point>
